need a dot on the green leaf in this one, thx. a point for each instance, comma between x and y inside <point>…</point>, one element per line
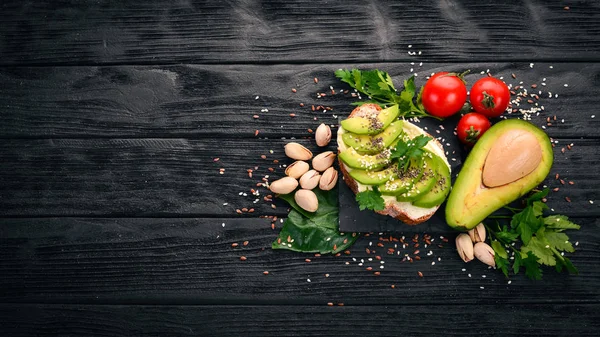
<point>532,268</point>
<point>559,241</point>
<point>526,223</point>
<point>499,249</point>
<point>518,262</point>
<point>314,232</point>
<point>537,196</point>
<point>407,150</point>
<point>502,264</point>
<point>370,199</point>
<point>559,222</point>
<point>542,249</point>
<point>507,236</point>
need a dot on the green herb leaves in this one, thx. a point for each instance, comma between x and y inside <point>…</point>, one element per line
<point>379,88</point>
<point>370,199</point>
<point>542,240</point>
<point>314,232</point>
<point>412,149</point>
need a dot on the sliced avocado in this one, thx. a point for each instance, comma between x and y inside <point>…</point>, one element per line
<point>373,124</point>
<point>364,161</point>
<point>405,179</point>
<point>424,183</point>
<point>376,143</point>
<point>440,189</point>
<point>510,159</point>
<point>374,177</point>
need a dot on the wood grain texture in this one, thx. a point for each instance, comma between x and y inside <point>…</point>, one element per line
<point>192,261</point>
<point>135,32</point>
<point>178,177</point>
<point>212,100</point>
<point>442,320</point>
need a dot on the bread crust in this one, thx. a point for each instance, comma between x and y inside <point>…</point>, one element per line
<point>391,209</point>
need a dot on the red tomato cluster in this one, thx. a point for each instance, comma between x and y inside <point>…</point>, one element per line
<point>445,93</point>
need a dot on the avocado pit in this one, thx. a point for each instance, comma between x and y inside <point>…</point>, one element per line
<point>513,156</point>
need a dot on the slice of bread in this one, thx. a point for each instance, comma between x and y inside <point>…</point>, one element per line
<point>403,211</point>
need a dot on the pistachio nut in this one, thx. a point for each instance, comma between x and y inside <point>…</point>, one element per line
<point>323,161</point>
<point>477,234</point>
<point>297,151</point>
<point>307,199</point>
<point>464,246</point>
<point>284,185</point>
<point>484,253</point>
<point>310,180</point>
<point>297,169</point>
<point>323,135</point>
<point>328,179</point>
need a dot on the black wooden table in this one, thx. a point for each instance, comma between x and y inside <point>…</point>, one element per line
<point>128,128</point>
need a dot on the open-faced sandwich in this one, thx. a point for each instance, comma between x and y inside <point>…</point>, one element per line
<point>378,151</point>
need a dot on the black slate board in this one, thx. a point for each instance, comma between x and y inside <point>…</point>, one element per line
<point>352,219</point>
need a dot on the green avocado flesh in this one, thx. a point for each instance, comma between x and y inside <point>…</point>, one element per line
<point>404,180</point>
<point>470,200</point>
<point>376,143</point>
<point>374,177</point>
<point>364,161</point>
<point>437,194</point>
<point>371,125</point>
<point>424,183</point>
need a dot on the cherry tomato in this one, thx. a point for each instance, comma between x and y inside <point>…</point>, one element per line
<point>490,96</point>
<point>472,126</point>
<point>444,94</point>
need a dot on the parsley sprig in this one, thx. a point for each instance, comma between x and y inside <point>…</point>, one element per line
<point>407,150</point>
<point>377,85</point>
<point>370,199</point>
<point>535,240</point>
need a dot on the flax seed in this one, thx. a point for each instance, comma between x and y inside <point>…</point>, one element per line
<point>555,189</point>
<point>243,258</point>
<point>420,274</point>
<point>556,176</point>
<point>312,108</point>
<point>417,257</point>
<point>562,150</point>
<point>568,199</point>
<point>271,169</point>
<point>330,304</point>
<point>255,116</point>
<point>292,115</point>
<point>377,273</point>
<point>262,156</point>
<point>393,286</point>
<point>306,260</point>
<point>245,243</point>
<point>334,247</point>
<point>273,225</point>
<point>294,90</point>
<point>513,75</point>
<point>534,86</point>
<point>367,250</point>
<point>235,244</point>
<point>301,105</point>
<point>562,182</point>
<point>571,183</point>
<point>238,211</point>
<point>266,272</point>
<point>369,268</point>
<point>216,159</point>
<point>316,80</point>
<point>340,304</point>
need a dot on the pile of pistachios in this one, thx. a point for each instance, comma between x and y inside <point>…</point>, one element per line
<point>322,173</point>
<point>472,245</point>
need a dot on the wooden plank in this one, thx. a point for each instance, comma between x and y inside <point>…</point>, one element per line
<point>192,261</point>
<point>275,31</point>
<point>178,177</point>
<point>212,100</point>
<point>442,320</point>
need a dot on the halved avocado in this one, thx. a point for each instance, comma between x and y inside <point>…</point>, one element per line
<point>373,124</point>
<point>374,177</point>
<point>437,194</point>
<point>509,160</point>
<point>424,183</point>
<point>376,143</point>
<point>404,180</point>
<point>364,161</point>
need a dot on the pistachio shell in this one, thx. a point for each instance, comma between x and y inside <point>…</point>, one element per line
<point>284,185</point>
<point>484,253</point>
<point>323,135</point>
<point>297,169</point>
<point>307,199</point>
<point>310,180</point>
<point>328,179</point>
<point>464,246</point>
<point>477,234</point>
<point>323,161</point>
<point>297,151</point>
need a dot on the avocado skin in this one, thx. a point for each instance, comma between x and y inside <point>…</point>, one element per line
<point>470,202</point>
